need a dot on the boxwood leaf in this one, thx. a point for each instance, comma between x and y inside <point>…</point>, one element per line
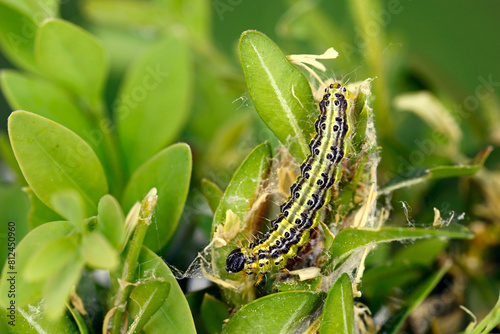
<point>42,97</point>
<point>174,316</point>
<point>212,194</point>
<point>28,291</point>
<point>29,320</point>
<point>146,300</point>
<point>97,252</point>
<point>237,201</point>
<point>281,94</point>
<point>338,314</point>
<point>281,312</point>
<point>170,172</point>
<point>351,239</point>
<point>213,313</point>
<point>49,258</point>
<point>154,100</point>
<point>17,37</point>
<point>58,287</point>
<point>81,68</point>
<point>244,185</point>
<point>68,204</point>
<point>53,158</point>
<point>111,221</point>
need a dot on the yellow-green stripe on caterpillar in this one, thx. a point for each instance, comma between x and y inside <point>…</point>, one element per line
<point>291,230</point>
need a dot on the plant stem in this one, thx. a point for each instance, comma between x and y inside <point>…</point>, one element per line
<point>130,265</point>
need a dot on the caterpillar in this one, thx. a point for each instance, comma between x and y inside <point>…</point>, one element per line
<point>291,229</point>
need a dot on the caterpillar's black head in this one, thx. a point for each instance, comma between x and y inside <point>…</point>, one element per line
<point>235,261</point>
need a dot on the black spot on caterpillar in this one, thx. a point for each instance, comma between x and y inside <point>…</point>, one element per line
<point>291,229</point>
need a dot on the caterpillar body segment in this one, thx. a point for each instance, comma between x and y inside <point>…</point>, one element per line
<point>291,229</point>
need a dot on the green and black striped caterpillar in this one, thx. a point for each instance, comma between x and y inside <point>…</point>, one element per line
<point>291,230</point>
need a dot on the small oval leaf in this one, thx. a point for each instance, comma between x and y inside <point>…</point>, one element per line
<point>281,312</point>
<point>17,37</point>
<point>42,97</point>
<point>66,160</point>
<point>154,101</point>
<point>58,287</point>
<point>97,252</point>
<point>174,316</point>
<point>338,314</point>
<point>81,68</point>
<point>111,221</point>
<point>214,313</point>
<point>28,291</point>
<point>29,320</point>
<point>49,258</point>
<point>169,172</point>
<point>281,94</point>
<point>69,204</point>
<point>244,185</point>
<point>212,194</point>
<point>146,299</point>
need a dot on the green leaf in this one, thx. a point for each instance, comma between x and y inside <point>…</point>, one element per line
<point>420,175</point>
<point>38,10</point>
<point>58,287</point>
<point>97,252</point>
<point>154,100</point>
<point>78,319</point>
<point>17,37</point>
<point>212,194</point>
<point>111,221</point>
<point>147,299</point>
<point>244,185</point>
<point>42,97</point>
<point>69,204</point>
<point>49,258</point>
<point>174,316</point>
<point>30,320</point>
<point>170,172</point>
<point>281,93</point>
<point>349,239</point>
<point>213,313</point>
<point>15,206</point>
<point>238,199</point>
<point>72,57</point>
<point>27,291</point>
<point>282,312</point>
<point>338,314</point>
<point>39,213</point>
<point>416,297</point>
<point>66,160</point>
